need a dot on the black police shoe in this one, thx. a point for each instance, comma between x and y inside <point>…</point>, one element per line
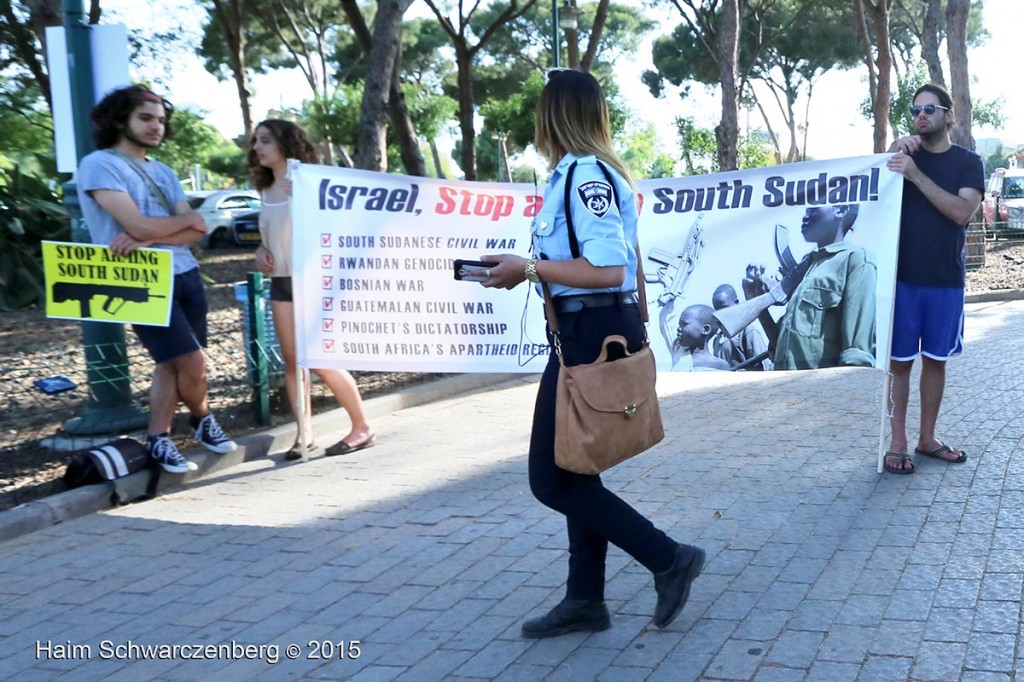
<point>673,585</point>
<point>568,616</point>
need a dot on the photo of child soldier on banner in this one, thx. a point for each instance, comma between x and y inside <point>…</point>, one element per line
<point>812,253</point>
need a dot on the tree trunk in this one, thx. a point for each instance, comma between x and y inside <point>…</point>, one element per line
<point>401,124</point>
<point>879,67</point>
<point>771,131</point>
<point>436,155</point>
<point>468,161</point>
<point>371,143</point>
<point>229,17</point>
<point>600,17</point>
<point>956,46</point>
<point>572,43</point>
<point>727,131</point>
<point>398,112</point>
<point>930,41</point>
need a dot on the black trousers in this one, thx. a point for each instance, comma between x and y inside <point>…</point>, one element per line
<point>594,515</point>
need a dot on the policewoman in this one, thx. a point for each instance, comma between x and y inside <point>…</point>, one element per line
<point>594,297</point>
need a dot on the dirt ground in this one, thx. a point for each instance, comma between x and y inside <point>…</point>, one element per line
<point>30,474</point>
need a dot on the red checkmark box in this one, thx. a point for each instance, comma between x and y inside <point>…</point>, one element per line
<point>325,261</point>
<point>328,345</point>
<point>328,324</point>
<point>325,239</point>
<point>328,302</point>
<point>326,282</point>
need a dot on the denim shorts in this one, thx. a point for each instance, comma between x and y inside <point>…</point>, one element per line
<point>927,321</point>
<point>187,331</point>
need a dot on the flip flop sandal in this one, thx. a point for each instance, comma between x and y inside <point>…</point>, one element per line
<point>295,453</point>
<point>343,448</point>
<point>938,453</point>
<point>903,459</point>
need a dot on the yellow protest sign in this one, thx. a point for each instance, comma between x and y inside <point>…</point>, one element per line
<point>88,282</point>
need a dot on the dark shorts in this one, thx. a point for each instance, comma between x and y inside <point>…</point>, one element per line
<point>281,289</point>
<point>186,332</point>
<point>927,321</point>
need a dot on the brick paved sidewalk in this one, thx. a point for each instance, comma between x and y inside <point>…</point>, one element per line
<point>429,550</point>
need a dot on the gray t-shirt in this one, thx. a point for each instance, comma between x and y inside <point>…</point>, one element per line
<point>103,170</point>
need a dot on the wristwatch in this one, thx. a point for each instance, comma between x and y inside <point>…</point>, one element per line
<point>531,271</point>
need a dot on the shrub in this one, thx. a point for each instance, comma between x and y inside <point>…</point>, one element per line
<point>30,212</point>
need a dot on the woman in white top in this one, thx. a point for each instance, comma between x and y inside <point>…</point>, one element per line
<point>273,143</point>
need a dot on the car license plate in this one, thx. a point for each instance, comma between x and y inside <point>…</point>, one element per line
<point>250,237</point>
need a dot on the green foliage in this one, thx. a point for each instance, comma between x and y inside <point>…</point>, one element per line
<point>29,213</point>
<point>700,150</point>
<point>524,45</point>
<point>263,51</point>
<point>514,115</point>
<point>26,122</point>
<point>431,114</point>
<point>997,159</point>
<point>198,142</point>
<point>755,152</point>
<point>643,156</point>
<point>335,117</point>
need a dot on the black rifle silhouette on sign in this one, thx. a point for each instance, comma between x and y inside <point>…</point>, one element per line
<point>83,293</point>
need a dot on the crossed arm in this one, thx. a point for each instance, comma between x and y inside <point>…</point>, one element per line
<point>184,227</point>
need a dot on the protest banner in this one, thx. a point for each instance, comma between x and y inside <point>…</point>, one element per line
<point>374,253</point>
<point>89,282</point>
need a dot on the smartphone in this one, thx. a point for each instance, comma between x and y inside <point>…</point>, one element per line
<point>464,269</point>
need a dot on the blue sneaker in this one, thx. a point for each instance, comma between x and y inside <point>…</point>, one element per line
<point>165,452</point>
<point>212,437</point>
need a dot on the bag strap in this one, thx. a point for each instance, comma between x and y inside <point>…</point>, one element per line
<point>574,248</point>
<point>153,187</point>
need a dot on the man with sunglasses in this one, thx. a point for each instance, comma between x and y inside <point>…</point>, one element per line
<point>942,189</point>
<point>131,201</point>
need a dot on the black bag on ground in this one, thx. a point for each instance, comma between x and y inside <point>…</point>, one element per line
<point>110,462</point>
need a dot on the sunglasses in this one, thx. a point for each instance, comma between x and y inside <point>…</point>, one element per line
<point>928,109</point>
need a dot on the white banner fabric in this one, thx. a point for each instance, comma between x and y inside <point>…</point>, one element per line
<point>373,261</point>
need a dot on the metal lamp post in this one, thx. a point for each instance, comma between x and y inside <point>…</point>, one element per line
<point>110,407</point>
<point>555,47</point>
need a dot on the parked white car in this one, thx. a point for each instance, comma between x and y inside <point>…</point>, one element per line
<point>218,207</point>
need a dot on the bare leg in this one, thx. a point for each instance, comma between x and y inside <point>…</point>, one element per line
<point>346,392</point>
<point>898,399</point>
<point>933,384</point>
<point>190,374</point>
<point>163,398</point>
<point>284,325</point>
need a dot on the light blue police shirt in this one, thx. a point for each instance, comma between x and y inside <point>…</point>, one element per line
<point>103,170</point>
<point>605,228</point>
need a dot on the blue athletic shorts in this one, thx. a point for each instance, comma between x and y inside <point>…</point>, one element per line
<point>187,330</point>
<point>927,321</point>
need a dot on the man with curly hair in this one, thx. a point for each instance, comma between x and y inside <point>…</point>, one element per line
<point>130,202</point>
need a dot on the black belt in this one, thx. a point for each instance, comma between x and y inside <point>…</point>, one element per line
<point>577,302</point>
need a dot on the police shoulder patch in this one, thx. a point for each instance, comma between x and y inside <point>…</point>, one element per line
<point>596,196</point>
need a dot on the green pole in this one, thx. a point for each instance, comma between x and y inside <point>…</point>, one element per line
<point>555,57</point>
<point>110,408</point>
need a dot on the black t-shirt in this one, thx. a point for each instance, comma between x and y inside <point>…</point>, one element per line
<point>932,245</point>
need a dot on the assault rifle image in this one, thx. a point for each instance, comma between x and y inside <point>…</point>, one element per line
<point>83,293</point>
<point>674,268</point>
